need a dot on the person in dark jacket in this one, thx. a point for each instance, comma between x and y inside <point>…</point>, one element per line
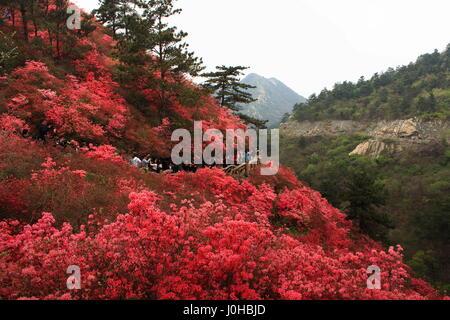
<point>43,130</point>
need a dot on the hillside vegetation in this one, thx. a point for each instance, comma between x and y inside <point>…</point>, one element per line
<point>399,197</point>
<point>143,235</point>
<point>420,89</point>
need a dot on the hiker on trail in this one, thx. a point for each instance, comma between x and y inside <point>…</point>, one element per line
<point>258,157</point>
<point>240,158</point>
<point>192,168</point>
<point>146,164</point>
<point>43,131</point>
<point>248,157</point>
<point>136,162</point>
<point>169,170</point>
<point>175,168</point>
<point>74,145</point>
<point>61,143</point>
<point>153,165</point>
<point>25,133</point>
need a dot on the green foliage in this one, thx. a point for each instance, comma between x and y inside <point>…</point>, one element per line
<point>417,194</point>
<point>420,89</point>
<point>141,28</point>
<point>8,53</point>
<point>114,15</point>
<point>225,83</point>
<point>285,118</point>
<point>424,264</point>
<point>364,193</point>
<point>259,124</point>
<point>351,183</point>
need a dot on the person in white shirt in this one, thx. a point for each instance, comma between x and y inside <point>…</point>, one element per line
<point>136,162</point>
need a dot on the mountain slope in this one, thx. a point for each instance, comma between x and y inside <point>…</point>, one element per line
<point>420,89</point>
<point>274,99</point>
<point>142,235</point>
<point>397,123</point>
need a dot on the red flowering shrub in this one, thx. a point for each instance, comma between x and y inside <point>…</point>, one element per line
<point>135,235</point>
<point>18,157</point>
<point>285,178</point>
<point>152,254</point>
<point>12,192</point>
<point>80,109</point>
<point>105,153</point>
<point>10,124</point>
<point>83,108</point>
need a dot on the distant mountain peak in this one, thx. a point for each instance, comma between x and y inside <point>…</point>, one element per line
<point>274,99</point>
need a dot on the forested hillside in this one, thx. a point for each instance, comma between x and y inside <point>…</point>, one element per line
<point>76,105</point>
<point>398,195</point>
<point>420,89</point>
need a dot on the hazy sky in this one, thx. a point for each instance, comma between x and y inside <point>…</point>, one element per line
<point>311,44</point>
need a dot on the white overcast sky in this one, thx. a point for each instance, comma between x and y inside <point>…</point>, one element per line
<point>312,44</point>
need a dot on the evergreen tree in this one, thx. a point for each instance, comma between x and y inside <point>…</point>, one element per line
<point>225,83</point>
<point>108,14</point>
<point>149,48</point>
<point>57,26</point>
<point>25,8</point>
<point>119,15</point>
<point>364,193</point>
<point>172,60</point>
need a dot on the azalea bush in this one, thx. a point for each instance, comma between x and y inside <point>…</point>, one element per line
<point>202,235</point>
<point>137,235</point>
<point>207,252</point>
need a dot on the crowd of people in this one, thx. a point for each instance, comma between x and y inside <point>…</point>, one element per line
<point>167,166</point>
<point>47,134</point>
<point>161,165</point>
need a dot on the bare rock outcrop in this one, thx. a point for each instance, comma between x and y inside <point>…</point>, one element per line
<point>383,136</point>
<point>374,148</point>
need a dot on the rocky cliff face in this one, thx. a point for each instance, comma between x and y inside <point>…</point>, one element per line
<point>383,136</point>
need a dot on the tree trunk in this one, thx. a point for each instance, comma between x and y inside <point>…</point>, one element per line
<point>13,16</point>
<point>23,12</point>
<point>58,45</point>
<point>162,107</point>
<point>35,28</point>
<point>114,28</point>
<point>222,102</point>
<point>50,38</point>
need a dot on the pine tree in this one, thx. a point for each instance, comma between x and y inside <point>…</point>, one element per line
<point>23,7</point>
<point>226,85</point>
<point>365,194</point>
<point>108,14</point>
<point>57,24</point>
<point>118,15</point>
<point>172,60</point>
<point>149,48</point>
<point>133,50</point>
